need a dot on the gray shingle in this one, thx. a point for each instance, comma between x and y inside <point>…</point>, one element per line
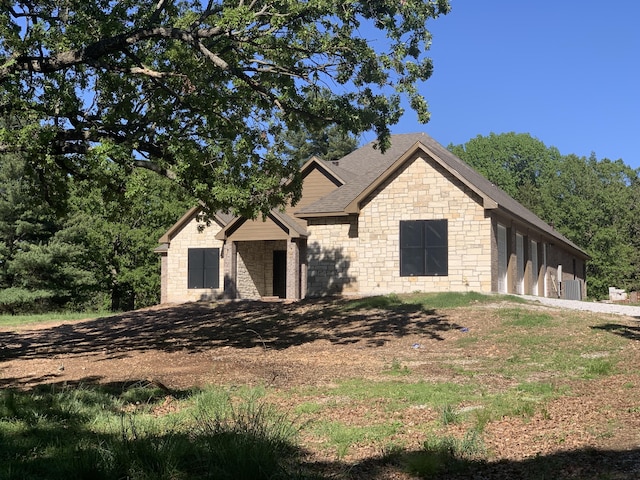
<point>367,164</point>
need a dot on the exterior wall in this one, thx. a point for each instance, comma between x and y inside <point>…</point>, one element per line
<point>316,184</point>
<point>255,267</point>
<point>332,254</point>
<point>194,234</point>
<point>572,268</point>
<point>422,190</point>
<point>258,229</point>
<point>367,260</point>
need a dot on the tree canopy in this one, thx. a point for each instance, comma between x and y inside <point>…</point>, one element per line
<point>202,90</point>
<point>593,202</point>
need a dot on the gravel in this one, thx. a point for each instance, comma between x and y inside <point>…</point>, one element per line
<point>598,307</point>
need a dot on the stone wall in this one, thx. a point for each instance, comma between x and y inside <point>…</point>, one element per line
<point>361,254</point>
<point>194,234</point>
<point>422,190</point>
<point>332,255</point>
<point>255,267</point>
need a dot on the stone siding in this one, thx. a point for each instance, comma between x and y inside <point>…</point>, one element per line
<point>255,267</point>
<point>332,255</point>
<point>194,234</point>
<point>361,254</point>
<point>422,190</point>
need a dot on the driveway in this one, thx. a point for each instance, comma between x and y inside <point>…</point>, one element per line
<point>598,307</point>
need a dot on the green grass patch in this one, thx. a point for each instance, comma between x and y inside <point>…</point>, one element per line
<point>19,320</point>
<point>308,408</point>
<point>517,317</point>
<point>428,301</point>
<point>449,415</point>
<point>396,368</point>
<point>379,301</point>
<point>446,454</point>
<point>91,432</point>
<point>403,393</point>
<point>598,367</point>
<point>342,437</point>
<point>446,300</point>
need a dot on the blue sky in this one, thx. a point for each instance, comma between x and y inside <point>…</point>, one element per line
<point>566,72</point>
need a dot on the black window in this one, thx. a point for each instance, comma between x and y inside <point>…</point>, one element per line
<point>204,268</point>
<point>423,248</point>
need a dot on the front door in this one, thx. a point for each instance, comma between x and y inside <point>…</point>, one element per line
<point>280,273</point>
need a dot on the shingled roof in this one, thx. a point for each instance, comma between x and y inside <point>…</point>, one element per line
<point>368,167</point>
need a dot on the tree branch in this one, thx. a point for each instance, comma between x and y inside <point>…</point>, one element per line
<point>107,46</point>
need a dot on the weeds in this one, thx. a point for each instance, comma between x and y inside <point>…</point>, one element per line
<point>448,415</point>
<point>446,454</point>
<point>396,368</point>
<point>88,433</point>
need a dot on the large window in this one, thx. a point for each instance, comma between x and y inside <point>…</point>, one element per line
<point>423,248</point>
<point>204,268</point>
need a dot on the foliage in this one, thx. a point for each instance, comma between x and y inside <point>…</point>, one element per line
<point>516,162</point>
<point>329,143</point>
<point>92,250</point>
<point>122,228</point>
<point>13,320</point>
<point>202,91</point>
<point>592,202</point>
<point>42,265</point>
<point>84,432</point>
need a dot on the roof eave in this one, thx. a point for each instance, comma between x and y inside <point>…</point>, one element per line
<point>340,213</point>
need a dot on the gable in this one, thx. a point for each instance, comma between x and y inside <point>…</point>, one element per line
<point>422,183</point>
<point>317,182</point>
<point>268,229</point>
<point>192,217</point>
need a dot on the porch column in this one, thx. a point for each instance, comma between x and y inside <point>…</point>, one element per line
<point>230,270</point>
<point>303,268</point>
<point>164,278</point>
<point>293,270</point>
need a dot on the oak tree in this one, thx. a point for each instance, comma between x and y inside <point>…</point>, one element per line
<point>201,90</point>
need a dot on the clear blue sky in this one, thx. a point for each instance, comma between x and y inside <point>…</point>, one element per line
<point>567,72</point>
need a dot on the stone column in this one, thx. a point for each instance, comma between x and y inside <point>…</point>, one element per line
<point>293,270</point>
<point>164,278</point>
<point>230,260</point>
<point>304,265</point>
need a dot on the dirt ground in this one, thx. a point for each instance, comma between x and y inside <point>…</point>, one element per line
<point>591,432</point>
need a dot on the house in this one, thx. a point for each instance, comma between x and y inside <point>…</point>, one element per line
<point>416,218</point>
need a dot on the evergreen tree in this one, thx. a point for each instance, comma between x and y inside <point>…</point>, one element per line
<point>121,226</point>
<point>330,143</point>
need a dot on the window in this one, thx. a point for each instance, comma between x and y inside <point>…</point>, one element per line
<point>423,248</point>
<point>204,268</point>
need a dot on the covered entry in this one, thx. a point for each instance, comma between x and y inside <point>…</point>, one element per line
<point>265,258</point>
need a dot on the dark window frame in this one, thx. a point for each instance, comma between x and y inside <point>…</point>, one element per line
<point>203,268</point>
<point>424,248</point>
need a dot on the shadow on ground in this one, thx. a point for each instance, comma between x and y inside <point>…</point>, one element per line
<point>20,448</point>
<point>626,331</point>
<point>582,464</point>
<point>247,324</point>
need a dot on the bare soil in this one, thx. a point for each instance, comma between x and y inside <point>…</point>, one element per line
<point>591,431</point>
